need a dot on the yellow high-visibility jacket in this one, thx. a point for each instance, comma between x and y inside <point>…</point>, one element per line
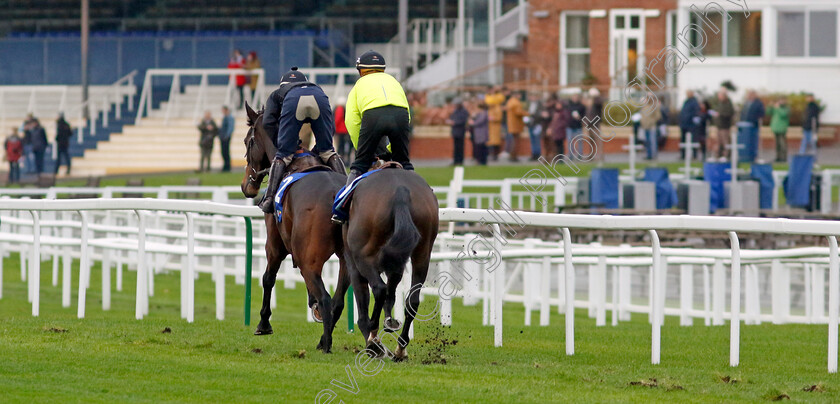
<point>371,91</point>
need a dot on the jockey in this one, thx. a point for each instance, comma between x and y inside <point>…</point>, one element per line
<point>294,103</point>
<point>377,109</point>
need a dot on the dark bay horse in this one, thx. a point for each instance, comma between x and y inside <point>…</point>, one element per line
<point>393,218</point>
<point>305,231</point>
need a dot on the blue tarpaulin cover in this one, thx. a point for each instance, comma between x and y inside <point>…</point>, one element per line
<point>763,173</point>
<point>798,182</point>
<point>603,187</point>
<point>666,195</point>
<point>715,173</point>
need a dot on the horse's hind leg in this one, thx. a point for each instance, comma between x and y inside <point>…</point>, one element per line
<point>340,292</point>
<point>312,277</point>
<point>275,256</point>
<point>392,324</point>
<point>419,270</point>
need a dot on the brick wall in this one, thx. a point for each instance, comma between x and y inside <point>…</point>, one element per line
<point>542,47</point>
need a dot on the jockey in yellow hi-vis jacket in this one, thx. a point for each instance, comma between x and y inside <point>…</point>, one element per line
<point>377,108</point>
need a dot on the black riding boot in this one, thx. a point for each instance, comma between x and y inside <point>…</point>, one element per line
<point>336,164</point>
<point>350,177</point>
<point>274,173</point>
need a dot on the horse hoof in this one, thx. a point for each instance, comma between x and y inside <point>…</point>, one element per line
<point>316,314</point>
<point>374,350</point>
<point>400,355</point>
<point>263,332</point>
<point>392,324</point>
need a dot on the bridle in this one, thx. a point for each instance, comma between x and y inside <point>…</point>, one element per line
<point>254,177</point>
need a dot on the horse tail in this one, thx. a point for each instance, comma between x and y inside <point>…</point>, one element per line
<point>398,248</point>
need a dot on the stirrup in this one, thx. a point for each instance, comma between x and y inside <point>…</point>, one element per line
<point>337,220</point>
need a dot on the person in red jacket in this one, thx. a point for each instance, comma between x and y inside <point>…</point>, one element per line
<point>14,151</point>
<point>237,61</point>
<point>341,130</point>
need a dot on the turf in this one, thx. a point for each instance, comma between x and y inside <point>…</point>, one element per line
<point>111,357</point>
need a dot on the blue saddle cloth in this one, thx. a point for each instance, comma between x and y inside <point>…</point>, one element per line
<point>281,192</point>
<point>341,205</point>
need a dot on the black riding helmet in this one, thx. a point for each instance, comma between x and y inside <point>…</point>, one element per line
<point>293,76</point>
<point>370,60</point>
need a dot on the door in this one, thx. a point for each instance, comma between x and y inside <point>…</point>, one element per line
<point>627,47</point>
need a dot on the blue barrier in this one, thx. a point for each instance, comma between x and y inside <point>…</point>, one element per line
<point>55,58</point>
<point>666,195</point>
<point>797,185</point>
<point>763,173</point>
<point>716,174</point>
<point>603,183</point>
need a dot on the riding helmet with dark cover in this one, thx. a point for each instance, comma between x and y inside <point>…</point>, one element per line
<point>293,76</point>
<point>370,60</point>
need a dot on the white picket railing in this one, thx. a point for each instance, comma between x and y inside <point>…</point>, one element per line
<point>533,261</point>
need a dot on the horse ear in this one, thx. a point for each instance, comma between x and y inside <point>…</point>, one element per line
<point>252,116</point>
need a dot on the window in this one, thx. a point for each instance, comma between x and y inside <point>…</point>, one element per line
<point>791,34</point>
<point>807,34</point>
<point>575,48</point>
<point>619,21</point>
<point>634,21</point>
<point>823,33</point>
<point>741,36</point>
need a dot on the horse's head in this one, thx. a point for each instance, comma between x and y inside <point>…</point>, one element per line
<point>258,146</point>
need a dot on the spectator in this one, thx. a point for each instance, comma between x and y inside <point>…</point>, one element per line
<point>341,130</point>
<point>14,151</point>
<point>38,140</point>
<point>458,120</point>
<point>225,134</point>
<point>558,128</point>
<point>494,113</point>
<point>238,62</point>
<point>253,62</point>
<point>725,111</point>
<point>537,120</point>
<point>810,126</point>
<point>62,143</point>
<point>515,123</point>
<point>28,156</point>
<point>663,126</point>
<point>575,127</point>
<point>594,110</point>
<point>208,130</point>
<point>479,131</point>
<point>751,117</point>
<point>779,122</point>
<point>689,117</point>
<point>649,123</point>
<point>543,121</point>
<point>700,134</point>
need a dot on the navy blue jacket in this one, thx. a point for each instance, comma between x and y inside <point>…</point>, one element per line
<point>459,120</point>
<point>753,112</point>
<point>690,109</point>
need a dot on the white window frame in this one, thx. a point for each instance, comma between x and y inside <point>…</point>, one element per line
<point>640,34</point>
<point>807,35</point>
<point>768,34</point>
<point>565,52</point>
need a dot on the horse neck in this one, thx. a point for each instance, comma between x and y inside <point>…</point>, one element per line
<point>265,141</point>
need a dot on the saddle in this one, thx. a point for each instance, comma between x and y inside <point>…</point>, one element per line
<point>304,161</point>
<point>341,204</point>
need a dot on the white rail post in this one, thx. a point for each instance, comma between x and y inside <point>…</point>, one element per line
<point>655,348</point>
<point>446,304</point>
<point>190,275</point>
<point>35,263</point>
<point>686,294</point>
<point>545,290</point>
<point>707,297</point>
<point>498,288</point>
<point>84,267</point>
<point>570,292</point>
<point>780,283</point>
<point>106,283</point>
<point>735,321</point>
<point>718,292</point>
<point>600,275</point>
<point>833,300</point>
<point>142,295</point>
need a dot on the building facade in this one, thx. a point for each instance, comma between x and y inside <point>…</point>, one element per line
<point>773,46</point>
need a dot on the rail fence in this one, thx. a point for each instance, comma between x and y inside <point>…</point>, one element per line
<point>201,238</point>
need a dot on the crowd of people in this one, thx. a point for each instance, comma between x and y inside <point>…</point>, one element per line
<point>28,145</point>
<point>497,119</point>
<point>494,121</point>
